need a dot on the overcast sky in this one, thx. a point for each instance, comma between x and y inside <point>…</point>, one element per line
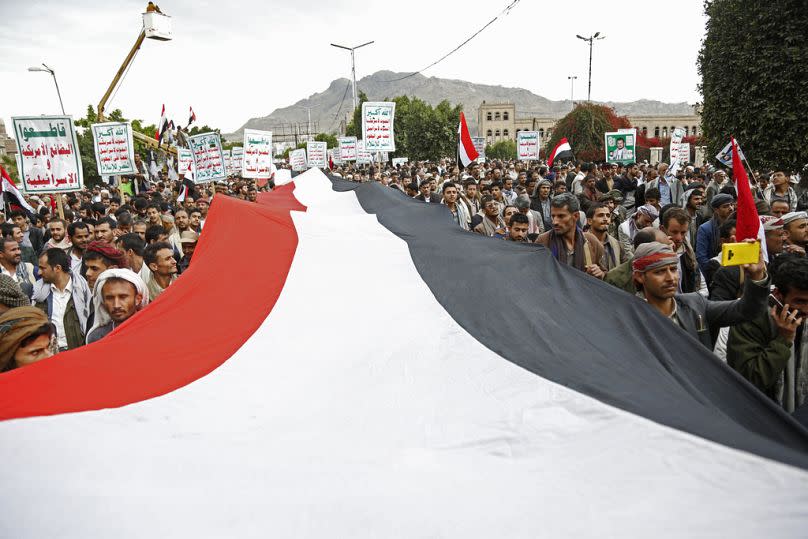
<point>233,63</point>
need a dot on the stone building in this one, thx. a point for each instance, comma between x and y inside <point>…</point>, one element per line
<point>499,121</point>
<point>7,144</point>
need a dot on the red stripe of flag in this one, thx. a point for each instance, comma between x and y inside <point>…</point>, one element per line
<point>748,222</point>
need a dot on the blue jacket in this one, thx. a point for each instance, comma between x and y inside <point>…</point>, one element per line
<point>706,244</point>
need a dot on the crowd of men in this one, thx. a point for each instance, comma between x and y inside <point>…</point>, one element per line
<point>66,282</point>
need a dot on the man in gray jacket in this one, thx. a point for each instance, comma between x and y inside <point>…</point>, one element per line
<point>656,276</point>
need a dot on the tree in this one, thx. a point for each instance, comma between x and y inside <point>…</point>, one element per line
<point>354,128</point>
<point>753,68</point>
<point>504,149</point>
<point>584,128</point>
<point>328,138</point>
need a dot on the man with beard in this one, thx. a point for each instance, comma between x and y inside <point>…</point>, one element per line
<point>119,295</point>
<point>657,279</point>
<point>58,235</point>
<point>598,218</point>
<point>541,203</point>
<point>569,244</point>
<point>675,222</point>
<point>491,223</point>
<point>518,228</point>
<point>708,238</point>
<point>471,198</point>
<point>796,226</point>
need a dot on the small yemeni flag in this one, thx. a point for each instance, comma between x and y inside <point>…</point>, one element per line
<point>191,117</point>
<point>161,127</point>
<point>183,194</point>
<point>465,147</point>
<point>8,189</point>
<point>748,223</point>
<point>562,149</point>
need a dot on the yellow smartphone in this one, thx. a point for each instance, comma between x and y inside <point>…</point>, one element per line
<point>735,254</point>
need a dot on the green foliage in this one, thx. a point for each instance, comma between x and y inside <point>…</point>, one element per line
<point>584,128</point>
<point>753,67</point>
<point>328,138</point>
<point>504,149</point>
<point>10,164</point>
<point>422,131</point>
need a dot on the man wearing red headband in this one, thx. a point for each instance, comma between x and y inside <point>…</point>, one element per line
<point>656,276</point>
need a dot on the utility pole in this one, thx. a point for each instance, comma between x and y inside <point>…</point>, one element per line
<point>572,79</point>
<point>353,67</point>
<point>591,39</point>
<point>308,110</point>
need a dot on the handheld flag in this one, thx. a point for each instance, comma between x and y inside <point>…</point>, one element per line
<point>748,223</point>
<point>161,127</point>
<point>562,149</point>
<point>466,151</point>
<point>8,189</point>
<point>183,194</point>
<point>191,117</point>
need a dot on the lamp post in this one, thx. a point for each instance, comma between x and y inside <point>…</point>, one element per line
<point>353,66</point>
<point>572,79</point>
<point>308,110</point>
<point>46,69</point>
<point>591,39</point>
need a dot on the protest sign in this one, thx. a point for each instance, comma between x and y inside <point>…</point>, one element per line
<point>725,155</point>
<point>377,126</point>
<point>185,161</point>
<point>228,164</point>
<point>333,157</point>
<point>620,146</point>
<point>479,145</point>
<point>347,148</point>
<point>363,157</point>
<point>208,157</point>
<point>681,152</point>
<point>297,158</point>
<point>236,158</point>
<point>49,154</point>
<point>398,161</point>
<point>317,154</point>
<point>656,155</point>
<point>257,160</point>
<point>527,145</point>
<point>114,149</point>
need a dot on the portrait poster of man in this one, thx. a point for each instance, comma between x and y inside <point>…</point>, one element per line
<point>620,147</point>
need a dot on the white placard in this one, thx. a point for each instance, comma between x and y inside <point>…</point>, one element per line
<point>297,158</point>
<point>347,148</point>
<point>363,157</point>
<point>257,162</point>
<point>236,158</point>
<point>377,126</point>
<point>528,145</point>
<point>114,148</point>
<point>317,154</point>
<point>49,154</point>
<point>185,161</point>
<point>400,161</point>
<point>208,157</point>
<point>228,163</point>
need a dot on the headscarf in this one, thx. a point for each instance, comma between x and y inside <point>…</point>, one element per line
<point>647,210</point>
<point>108,251</point>
<point>653,255</point>
<point>11,295</point>
<point>16,325</point>
<point>102,317</point>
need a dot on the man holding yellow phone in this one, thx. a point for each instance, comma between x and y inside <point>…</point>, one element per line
<point>656,277</point>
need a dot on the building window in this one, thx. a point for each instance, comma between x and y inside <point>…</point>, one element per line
<point>488,116</point>
<point>656,131</point>
<point>693,131</point>
<point>541,132</point>
<point>645,131</point>
<point>672,130</point>
<point>517,131</point>
<point>488,133</point>
<point>505,132</point>
<point>496,116</point>
<point>505,115</point>
<point>664,132</point>
<point>497,132</point>
<point>687,131</point>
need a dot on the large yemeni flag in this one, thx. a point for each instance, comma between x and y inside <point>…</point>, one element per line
<point>561,150</point>
<point>466,151</point>
<point>346,386</point>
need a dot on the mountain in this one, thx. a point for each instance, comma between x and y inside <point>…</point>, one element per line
<point>330,106</point>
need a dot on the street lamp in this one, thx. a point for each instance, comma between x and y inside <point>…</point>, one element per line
<point>353,66</point>
<point>46,69</point>
<point>572,79</point>
<point>591,39</point>
<point>308,110</point>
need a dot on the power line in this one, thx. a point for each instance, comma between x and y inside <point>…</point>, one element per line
<point>345,93</point>
<point>504,12</point>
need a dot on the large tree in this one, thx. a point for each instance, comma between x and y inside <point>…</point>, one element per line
<point>584,128</point>
<point>754,69</point>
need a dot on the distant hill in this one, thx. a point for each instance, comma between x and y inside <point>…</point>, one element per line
<point>326,104</point>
